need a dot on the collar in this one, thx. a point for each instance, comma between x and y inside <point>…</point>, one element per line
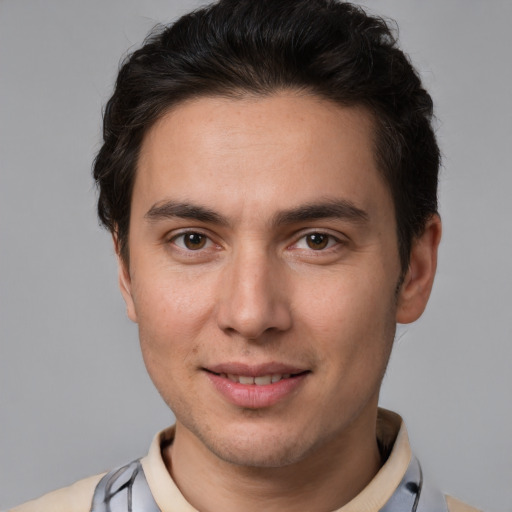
<point>393,439</point>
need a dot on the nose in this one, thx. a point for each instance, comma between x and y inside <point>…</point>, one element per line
<point>253,301</point>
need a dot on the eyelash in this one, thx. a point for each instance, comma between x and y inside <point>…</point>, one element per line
<point>208,241</point>
<point>331,241</point>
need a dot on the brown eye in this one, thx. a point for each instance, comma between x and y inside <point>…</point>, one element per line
<point>317,241</point>
<point>194,241</point>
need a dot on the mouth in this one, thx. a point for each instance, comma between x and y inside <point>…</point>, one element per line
<point>260,380</point>
<point>256,387</point>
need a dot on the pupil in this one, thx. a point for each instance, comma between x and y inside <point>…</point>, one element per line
<point>194,240</point>
<point>317,241</point>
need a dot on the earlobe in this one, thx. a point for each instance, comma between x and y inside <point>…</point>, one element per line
<point>419,278</point>
<point>125,282</point>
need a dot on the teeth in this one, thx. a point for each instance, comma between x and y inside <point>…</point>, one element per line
<point>262,380</point>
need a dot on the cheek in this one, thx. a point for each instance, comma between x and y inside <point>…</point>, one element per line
<point>172,302</point>
<point>171,317</point>
<point>350,316</point>
<point>170,320</point>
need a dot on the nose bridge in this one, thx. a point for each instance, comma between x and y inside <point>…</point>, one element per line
<point>253,301</point>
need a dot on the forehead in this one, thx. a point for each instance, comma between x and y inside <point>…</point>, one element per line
<point>289,147</point>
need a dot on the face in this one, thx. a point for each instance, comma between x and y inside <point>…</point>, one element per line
<point>263,273</point>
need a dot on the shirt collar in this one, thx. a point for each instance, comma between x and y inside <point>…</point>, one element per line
<point>393,439</point>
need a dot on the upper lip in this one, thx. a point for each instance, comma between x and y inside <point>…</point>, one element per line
<point>256,370</point>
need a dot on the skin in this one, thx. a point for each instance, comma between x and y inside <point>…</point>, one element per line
<point>255,289</point>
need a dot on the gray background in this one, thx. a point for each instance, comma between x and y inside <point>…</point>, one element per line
<point>74,396</point>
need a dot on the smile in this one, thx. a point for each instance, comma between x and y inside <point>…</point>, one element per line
<point>262,380</point>
<point>260,390</point>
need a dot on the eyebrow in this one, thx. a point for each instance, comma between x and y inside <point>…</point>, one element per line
<point>172,209</point>
<point>328,209</point>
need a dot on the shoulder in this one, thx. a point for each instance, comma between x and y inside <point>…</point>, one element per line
<point>75,498</point>
<point>454,505</point>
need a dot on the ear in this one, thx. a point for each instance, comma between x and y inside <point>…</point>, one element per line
<point>125,281</point>
<point>417,284</point>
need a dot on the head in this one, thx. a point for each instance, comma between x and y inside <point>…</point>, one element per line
<point>242,48</point>
<point>269,175</point>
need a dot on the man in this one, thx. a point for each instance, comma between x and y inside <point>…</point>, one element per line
<point>269,177</point>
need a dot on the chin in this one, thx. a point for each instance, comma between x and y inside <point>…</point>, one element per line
<point>257,456</point>
<point>257,449</point>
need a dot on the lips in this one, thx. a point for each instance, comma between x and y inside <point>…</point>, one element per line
<point>257,386</point>
<point>255,370</point>
<point>261,380</point>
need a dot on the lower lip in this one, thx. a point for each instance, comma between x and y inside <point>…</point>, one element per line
<point>252,396</point>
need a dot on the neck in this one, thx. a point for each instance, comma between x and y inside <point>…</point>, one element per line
<point>325,480</point>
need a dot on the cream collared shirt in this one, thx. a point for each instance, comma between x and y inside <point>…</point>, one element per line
<point>391,432</point>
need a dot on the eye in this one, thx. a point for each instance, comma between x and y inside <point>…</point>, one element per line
<point>192,241</point>
<point>316,241</point>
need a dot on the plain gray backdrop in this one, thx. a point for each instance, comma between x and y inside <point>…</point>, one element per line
<point>75,398</point>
